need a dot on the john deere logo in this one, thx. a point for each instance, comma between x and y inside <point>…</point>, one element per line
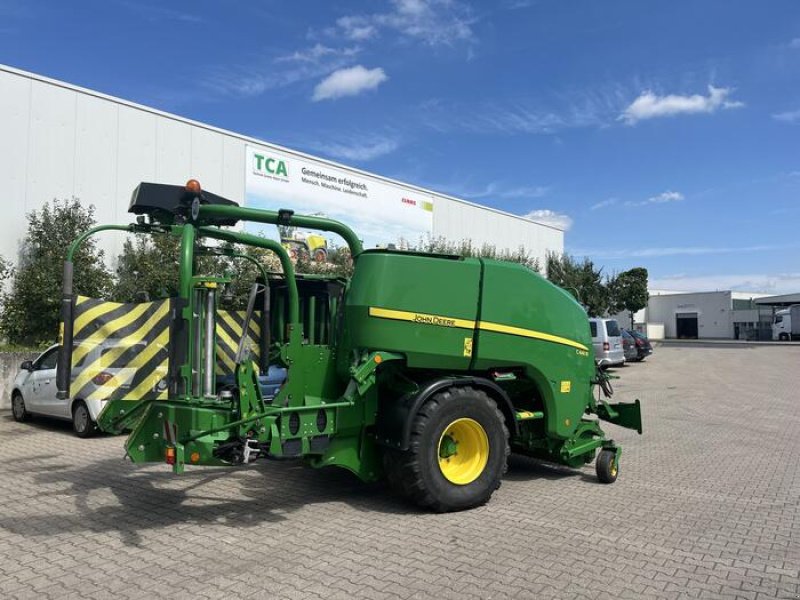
<point>268,166</point>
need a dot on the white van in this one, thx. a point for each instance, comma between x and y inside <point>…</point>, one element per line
<point>607,342</point>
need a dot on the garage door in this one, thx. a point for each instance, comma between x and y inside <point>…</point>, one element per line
<point>686,326</point>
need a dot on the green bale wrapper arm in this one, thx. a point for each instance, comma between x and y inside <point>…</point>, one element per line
<point>424,369</point>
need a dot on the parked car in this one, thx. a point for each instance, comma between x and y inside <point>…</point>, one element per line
<point>34,389</point>
<point>629,346</point>
<point>643,346</point>
<point>607,342</point>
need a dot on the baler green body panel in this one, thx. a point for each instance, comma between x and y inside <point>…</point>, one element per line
<point>421,306</point>
<point>526,320</point>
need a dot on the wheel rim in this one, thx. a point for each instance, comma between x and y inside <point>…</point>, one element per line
<point>81,419</point>
<point>19,408</point>
<point>613,468</point>
<point>463,451</point>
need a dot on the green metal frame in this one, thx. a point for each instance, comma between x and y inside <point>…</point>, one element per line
<point>326,410</point>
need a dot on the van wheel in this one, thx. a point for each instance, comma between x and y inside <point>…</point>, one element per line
<point>457,455</point>
<point>18,410</point>
<point>82,421</point>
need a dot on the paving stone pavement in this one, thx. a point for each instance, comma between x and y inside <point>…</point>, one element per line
<point>706,506</point>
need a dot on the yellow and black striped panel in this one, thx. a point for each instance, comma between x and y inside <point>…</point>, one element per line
<point>230,324</point>
<point>121,351</point>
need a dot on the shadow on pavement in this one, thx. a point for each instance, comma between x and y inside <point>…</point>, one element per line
<point>523,468</point>
<point>147,499</point>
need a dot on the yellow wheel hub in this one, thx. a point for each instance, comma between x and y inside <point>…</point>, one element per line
<point>463,451</point>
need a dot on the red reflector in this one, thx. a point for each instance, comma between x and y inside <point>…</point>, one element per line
<point>606,346</point>
<point>639,342</point>
<point>170,456</point>
<point>102,378</point>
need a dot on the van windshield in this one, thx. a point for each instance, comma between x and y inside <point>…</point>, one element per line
<point>612,329</point>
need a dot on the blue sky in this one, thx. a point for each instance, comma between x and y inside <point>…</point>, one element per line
<point>664,135</point>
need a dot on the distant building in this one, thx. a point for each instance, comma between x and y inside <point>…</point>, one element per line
<point>710,315</point>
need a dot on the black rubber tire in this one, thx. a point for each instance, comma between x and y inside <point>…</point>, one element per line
<point>18,410</point>
<point>415,473</point>
<point>783,337</point>
<point>604,465</point>
<point>82,422</point>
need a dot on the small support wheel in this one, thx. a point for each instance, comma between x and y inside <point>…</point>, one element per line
<point>606,467</point>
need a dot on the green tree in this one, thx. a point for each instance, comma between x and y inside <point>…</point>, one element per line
<point>31,307</point>
<point>147,269</point>
<point>628,291</point>
<point>581,279</point>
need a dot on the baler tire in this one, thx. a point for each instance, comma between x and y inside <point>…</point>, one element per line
<point>416,472</point>
<point>604,466</point>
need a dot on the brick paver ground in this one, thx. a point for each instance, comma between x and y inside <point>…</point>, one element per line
<point>706,506</point>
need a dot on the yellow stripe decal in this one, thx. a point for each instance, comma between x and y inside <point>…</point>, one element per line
<point>442,321</point>
<point>529,333</point>
<point>421,318</point>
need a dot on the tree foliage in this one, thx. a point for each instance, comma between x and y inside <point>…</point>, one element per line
<point>628,291</point>
<point>31,307</point>
<point>581,279</point>
<point>440,245</point>
<point>147,269</point>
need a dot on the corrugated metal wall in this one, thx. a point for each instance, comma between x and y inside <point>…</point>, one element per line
<point>58,141</point>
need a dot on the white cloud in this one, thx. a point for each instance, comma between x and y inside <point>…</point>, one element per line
<point>357,28</point>
<point>790,116</point>
<point>662,198</point>
<point>360,150</point>
<point>776,283</point>
<point>657,252</point>
<point>317,53</point>
<point>650,106</point>
<point>281,71</point>
<point>550,217</point>
<point>434,22</point>
<point>348,82</point>
<point>604,203</point>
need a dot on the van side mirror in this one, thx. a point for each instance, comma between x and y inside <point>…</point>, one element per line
<point>27,365</point>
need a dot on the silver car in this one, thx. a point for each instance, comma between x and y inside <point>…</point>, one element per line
<point>607,342</point>
<point>34,390</point>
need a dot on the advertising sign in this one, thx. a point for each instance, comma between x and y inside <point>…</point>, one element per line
<point>381,213</point>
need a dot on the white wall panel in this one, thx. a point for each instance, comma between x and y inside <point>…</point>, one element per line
<point>15,102</point>
<point>233,173</point>
<point>207,154</point>
<point>96,147</point>
<point>136,159</point>
<point>51,147</point>
<point>173,151</point>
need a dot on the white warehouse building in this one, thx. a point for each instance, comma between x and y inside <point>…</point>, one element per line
<point>61,141</point>
<point>723,314</point>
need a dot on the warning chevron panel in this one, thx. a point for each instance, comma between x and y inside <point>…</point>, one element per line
<point>230,325</point>
<point>120,350</point>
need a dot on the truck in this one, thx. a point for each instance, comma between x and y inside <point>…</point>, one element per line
<point>421,369</point>
<point>786,324</point>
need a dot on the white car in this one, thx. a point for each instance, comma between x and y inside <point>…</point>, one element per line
<point>34,390</point>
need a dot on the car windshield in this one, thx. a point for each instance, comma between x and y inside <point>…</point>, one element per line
<point>612,328</point>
